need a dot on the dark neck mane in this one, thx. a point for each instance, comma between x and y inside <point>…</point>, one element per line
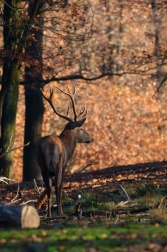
<point>69,142</point>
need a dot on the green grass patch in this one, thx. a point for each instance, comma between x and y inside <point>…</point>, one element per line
<point>83,238</point>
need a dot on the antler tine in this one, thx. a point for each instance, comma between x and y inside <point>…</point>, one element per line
<point>50,97</point>
<point>74,92</point>
<point>82,112</point>
<point>49,100</point>
<point>67,110</point>
<point>71,95</point>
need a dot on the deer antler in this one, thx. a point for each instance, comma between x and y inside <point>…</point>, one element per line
<point>82,112</point>
<point>72,97</point>
<point>49,100</point>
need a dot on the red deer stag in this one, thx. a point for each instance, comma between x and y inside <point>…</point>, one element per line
<point>54,152</point>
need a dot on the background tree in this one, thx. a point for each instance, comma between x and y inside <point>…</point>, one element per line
<point>34,108</point>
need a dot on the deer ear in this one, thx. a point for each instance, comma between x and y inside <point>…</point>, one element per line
<point>80,122</point>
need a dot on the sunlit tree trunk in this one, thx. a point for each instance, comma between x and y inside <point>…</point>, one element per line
<point>8,120</point>
<point>10,84</point>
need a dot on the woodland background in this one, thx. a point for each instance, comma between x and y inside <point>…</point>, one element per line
<point>121,65</point>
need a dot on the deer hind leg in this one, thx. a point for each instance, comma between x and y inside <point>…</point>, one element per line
<point>48,184</point>
<point>46,177</point>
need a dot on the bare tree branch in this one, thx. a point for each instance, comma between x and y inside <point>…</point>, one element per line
<point>36,187</point>
<point>6,181</point>
<point>82,77</point>
<point>93,162</point>
<point>18,193</point>
<point>8,151</point>
<point>162,82</point>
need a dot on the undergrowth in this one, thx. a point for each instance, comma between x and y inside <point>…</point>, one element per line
<point>148,197</point>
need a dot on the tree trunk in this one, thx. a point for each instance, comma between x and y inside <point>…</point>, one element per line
<point>8,119</point>
<point>34,108</point>
<point>16,29</point>
<point>33,129</point>
<point>10,82</point>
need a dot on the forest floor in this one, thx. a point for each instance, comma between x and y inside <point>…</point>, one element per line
<point>103,185</point>
<point>123,208</point>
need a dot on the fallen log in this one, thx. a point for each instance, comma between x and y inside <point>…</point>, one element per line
<point>19,216</point>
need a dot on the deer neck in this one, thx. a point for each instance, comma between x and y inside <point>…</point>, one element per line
<point>69,142</point>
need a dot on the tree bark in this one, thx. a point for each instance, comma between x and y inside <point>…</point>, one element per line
<point>19,216</point>
<point>8,119</point>
<point>10,82</point>
<point>34,107</point>
<point>33,130</point>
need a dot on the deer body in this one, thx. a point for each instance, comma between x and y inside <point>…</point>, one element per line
<point>54,152</point>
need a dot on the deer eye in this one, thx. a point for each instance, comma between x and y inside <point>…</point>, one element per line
<point>81,129</point>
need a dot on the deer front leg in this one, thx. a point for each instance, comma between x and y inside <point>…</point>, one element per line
<point>49,188</point>
<point>60,193</point>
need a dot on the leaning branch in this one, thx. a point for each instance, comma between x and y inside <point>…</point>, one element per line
<point>93,162</point>
<point>126,196</point>
<point>8,151</point>
<point>70,77</point>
